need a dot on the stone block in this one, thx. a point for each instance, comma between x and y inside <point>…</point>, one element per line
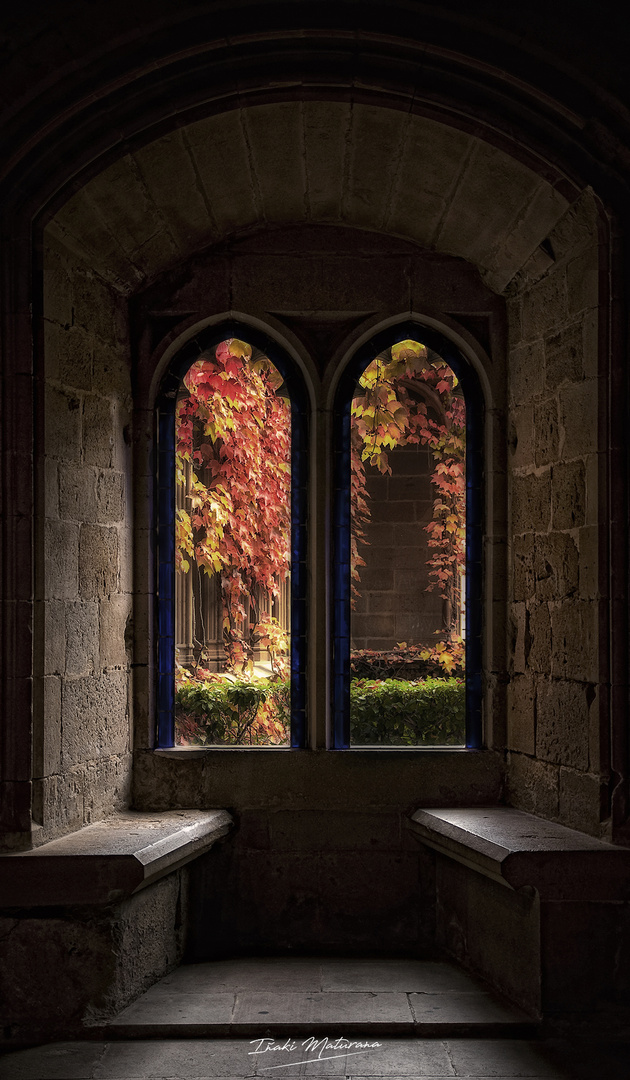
<point>221,156</point>
<point>545,305</point>
<point>82,655</point>
<point>62,560</point>
<point>531,502</point>
<point>575,637</point>
<point>580,800</point>
<point>562,722</point>
<point>589,562</point>
<point>77,493</point>
<point>167,170</point>
<point>98,431</point>
<point>276,141</point>
<point>579,418</point>
<point>564,356</point>
<point>424,181</point>
<point>82,230</point>
<point>375,139</point>
<point>485,207</point>
<point>98,561</point>
<point>62,424</point>
<point>546,432</point>
<point>47,732</point>
<point>526,372</point>
<point>97,307</point>
<point>576,229</point>
<point>532,785</point>
<point>95,717</point>
<point>583,280</point>
<point>568,495</point>
<point>556,566</point>
<point>54,637</point>
<point>590,332</point>
<point>520,640</point>
<point>538,639</point>
<point>107,787</point>
<point>110,501</point>
<point>523,566</point>
<point>51,492</point>
<point>521,719</point>
<point>115,631</point>
<point>57,283</point>
<point>321,830</point>
<point>521,436</point>
<point>58,801</point>
<point>111,370</point>
<point>74,360</point>
<point>325,127</point>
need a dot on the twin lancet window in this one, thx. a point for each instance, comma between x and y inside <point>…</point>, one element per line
<point>232,482</point>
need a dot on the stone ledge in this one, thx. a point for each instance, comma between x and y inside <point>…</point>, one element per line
<point>522,851</point>
<point>108,861</point>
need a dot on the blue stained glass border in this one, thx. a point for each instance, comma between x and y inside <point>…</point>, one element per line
<point>340,705</point>
<point>165,522</point>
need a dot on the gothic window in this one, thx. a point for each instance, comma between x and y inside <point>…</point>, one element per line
<point>407,561</point>
<point>231,438</point>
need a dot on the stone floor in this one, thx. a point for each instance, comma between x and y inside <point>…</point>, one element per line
<point>310,1017</point>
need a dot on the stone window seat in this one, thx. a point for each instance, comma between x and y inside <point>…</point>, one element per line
<point>523,851</point>
<point>517,900</point>
<point>110,860</point>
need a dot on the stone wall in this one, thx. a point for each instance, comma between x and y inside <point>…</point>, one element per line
<point>82,702</point>
<point>393,603</point>
<point>558,671</point>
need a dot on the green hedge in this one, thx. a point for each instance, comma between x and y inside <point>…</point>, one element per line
<point>225,712</point>
<point>391,712</point>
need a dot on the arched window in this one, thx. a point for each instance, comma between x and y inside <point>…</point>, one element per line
<point>407,545</point>
<point>231,538</point>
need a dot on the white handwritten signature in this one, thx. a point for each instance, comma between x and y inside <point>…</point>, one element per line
<point>318,1049</point>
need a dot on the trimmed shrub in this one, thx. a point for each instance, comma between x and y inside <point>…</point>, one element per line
<point>391,712</point>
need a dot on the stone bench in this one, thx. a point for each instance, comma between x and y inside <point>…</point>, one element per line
<point>91,920</point>
<point>533,906</point>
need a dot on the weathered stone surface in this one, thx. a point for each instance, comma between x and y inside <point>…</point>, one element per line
<point>581,796</point>
<point>520,641</point>
<point>562,722</point>
<point>110,505</point>
<point>579,418</point>
<point>51,728</point>
<point>575,637</point>
<point>523,566</point>
<point>77,493</point>
<point>532,785</point>
<point>167,169</point>
<point>556,566</point>
<point>582,280</point>
<point>74,358</point>
<point>589,562</point>
<point>95,718</point>
<point>546,432</point>
<point>538,638</point>
<point>564,356</point>
<point>62,430</point>
<point>98,561</point>
<point>531,502</point>
<point>545,306</point>
<point>274,133</point>
<point>62,560</point>
<point>82,656</point>
<point>522,436</point>
<point>568,494</point>
<point>521,723</point>
<point>98,431</point>
<point>220,154</point>
<point>54,637</point>
<point>114,613</point>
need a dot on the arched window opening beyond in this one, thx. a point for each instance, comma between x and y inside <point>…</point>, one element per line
<point>407,647</point>
<point>231,532</point>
